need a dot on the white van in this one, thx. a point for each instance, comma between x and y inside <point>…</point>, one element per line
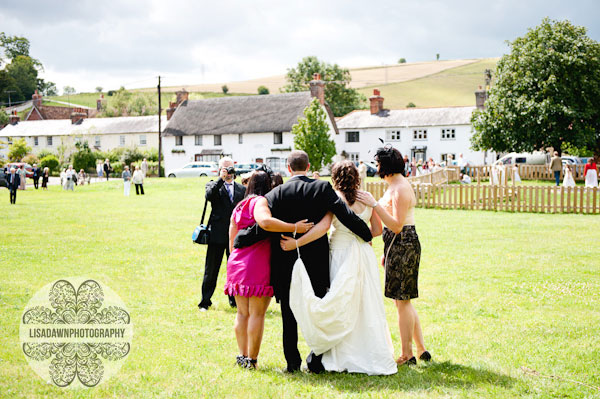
<point>536,158</point>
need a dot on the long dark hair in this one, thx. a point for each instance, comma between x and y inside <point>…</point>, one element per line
<point>345,179</point>
<point>259,184</point>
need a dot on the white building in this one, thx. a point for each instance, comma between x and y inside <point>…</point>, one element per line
<point>246,128</point>
<point>420,133</point>
<point>100,133</point>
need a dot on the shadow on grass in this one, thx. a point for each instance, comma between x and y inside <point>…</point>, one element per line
<point>444,374</point>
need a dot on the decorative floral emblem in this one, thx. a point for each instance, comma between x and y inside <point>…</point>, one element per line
<point>81,338</point>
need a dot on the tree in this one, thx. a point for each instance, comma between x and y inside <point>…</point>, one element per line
<point>47,88</point>
<point>225,89</point>
<point>49,161</point>
<point>15,46</point>
<point>263,90</point>
<point>68,90</point>
<point>17,150</point>
<point>23,71</point>
<point>402,61</point>
<point>3,121</point>
<point>311,134</point>
<point>83,158</point>
<point>341,98</point>
<point>410,105</point>
<point>437,56</point>
<point>99,89</point>
<point>547,93</point>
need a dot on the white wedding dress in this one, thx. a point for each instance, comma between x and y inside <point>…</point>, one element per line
<point>348,326</point>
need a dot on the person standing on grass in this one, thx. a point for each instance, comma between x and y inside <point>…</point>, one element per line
<point>555,167</point>
<point>81,177</point>
<point>402,249</point>
<point>99,169</point>
<point>70,176</point>
<point>107,168</point>
<point>126,175</point>
<point>224,194</point>
<point>590,173</point>
<point>23,177</point>
<point>45,177</point>
<point>13,180</point>
<point>249,268</point>
<point>144,168</point>
<point>36,175</point>
<point>138,180</point>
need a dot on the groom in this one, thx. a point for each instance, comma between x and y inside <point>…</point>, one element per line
<point>302,198</point>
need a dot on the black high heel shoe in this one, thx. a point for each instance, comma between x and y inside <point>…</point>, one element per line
<point>251,363</point>
<point>240,360</point>
<point>425,356</point>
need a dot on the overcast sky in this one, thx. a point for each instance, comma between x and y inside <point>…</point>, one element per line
<point>86,44</point>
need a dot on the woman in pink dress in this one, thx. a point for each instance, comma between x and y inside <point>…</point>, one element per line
<point>249,269</point>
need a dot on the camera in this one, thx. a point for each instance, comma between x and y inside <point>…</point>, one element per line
<point>230,170</point>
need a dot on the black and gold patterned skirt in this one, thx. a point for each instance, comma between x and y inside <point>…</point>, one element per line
<point>402,257</point>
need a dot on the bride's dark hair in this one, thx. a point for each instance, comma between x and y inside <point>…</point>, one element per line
<point>344,176</point>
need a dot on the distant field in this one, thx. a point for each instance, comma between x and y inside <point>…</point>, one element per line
<point>452,87</point>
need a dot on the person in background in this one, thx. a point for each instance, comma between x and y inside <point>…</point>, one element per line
<point>36,175</point>
<point>23,176</point>
<point>81,177</point>
<point>277,179</point>
<point>45,178</point>
<point>144,168</point>
<point>316,175</point>
<point>590,172</point>
<point>555,167</point>
<point>465,179</point>
<point>224,194</point>
<point>362,174</point>
<point>126,175</point>
<point>462,164</point>
<point>63,179</point>
<point>413,167</point>
<point>568,180</point>
<point>70,176</point>
<point>138,180</point>
<point>516,175</point>
<point>107,168</point>
<point>99,170</point>
<point>407,169</point>
<point>14,180</point>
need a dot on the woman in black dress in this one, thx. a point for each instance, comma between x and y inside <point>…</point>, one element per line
<point>45,176</point>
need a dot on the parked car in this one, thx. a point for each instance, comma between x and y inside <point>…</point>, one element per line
<point>3,181</point>
<point>196,169</point>
<point>17,165</point>
<point>242,168</point>
<point>536,158</point>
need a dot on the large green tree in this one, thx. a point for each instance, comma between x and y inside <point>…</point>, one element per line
<point>547,93</point>
<point>18,149</point>
<point>341,98</point>
<point>311,134</point>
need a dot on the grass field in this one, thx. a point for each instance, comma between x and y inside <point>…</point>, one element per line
<point>452,87</point>
<point>498,292</point>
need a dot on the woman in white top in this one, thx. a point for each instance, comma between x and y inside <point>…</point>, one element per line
<point>568,180</point>
<point>63,179</point>
<point>70,178</point>
<point>138,180</point>
<point>402,249</point>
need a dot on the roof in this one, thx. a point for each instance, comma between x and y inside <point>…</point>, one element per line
<point>91,126</point>
<point>236,115</point>
<point>407,118</point>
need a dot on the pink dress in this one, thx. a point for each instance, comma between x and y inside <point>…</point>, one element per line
<point>249,269</point>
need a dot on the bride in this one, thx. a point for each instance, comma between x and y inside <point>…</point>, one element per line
<point>348,326</point>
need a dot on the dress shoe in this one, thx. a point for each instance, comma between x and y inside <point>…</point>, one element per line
<point>290,369</point>
<point>425,356</point>
<point>202,308</point>
<point>409,362</point>
<point>314,364</point>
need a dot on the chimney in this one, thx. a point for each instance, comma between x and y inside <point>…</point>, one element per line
<point>480,96</point>
<point>13,119</point>
<point>376,102</point>
<point>37,99</point>
<point>77,115</point>
<point>182,95</point>
<point>170,112</point>
<point>317,88</point>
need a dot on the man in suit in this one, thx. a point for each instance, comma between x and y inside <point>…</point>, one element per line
<point>223,194</point>
<point>13,180</point>
<point>302,198</point>
<point>107,168</point>
<point>555,167</point>
<point>36,175</point>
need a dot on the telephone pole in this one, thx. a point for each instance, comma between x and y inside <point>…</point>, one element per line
<point>159,130</point>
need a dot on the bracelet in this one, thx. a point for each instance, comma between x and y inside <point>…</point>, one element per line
<point>295,230</point>
<point>374,205</point>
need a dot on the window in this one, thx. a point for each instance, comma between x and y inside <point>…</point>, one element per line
<point>198,140</point>
<point>352,137</point>
<point>97,141</point>
<point>35,141</point>
<point>448,134</point>
<point>217,139</point>
<point>392,135</point>
<point>420,134</point>
<point>277,138</point>
<point>240,138</point>
<point>48,141</point>
<point>520,160</point>
<point>142,139</point>
<point>353,156</point>
<point>121,141</point>
<point>178,140</point>
<point>448,158</point>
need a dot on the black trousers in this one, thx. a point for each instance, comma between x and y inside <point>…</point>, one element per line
<point>139,187</point>
<point>35,182</point>
<point>214,257</point>
<point>13,196</point>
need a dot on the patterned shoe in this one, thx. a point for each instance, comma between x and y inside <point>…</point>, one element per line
<point>240,360</point>
<point>251,363</point>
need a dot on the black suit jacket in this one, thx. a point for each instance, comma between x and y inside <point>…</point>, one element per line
<point>15,183</point>
<point>221,208</point>
<point>304,198</point>
<point>36,173</point>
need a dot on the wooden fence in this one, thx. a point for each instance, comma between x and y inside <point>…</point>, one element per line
<point>445,175</point>
<point>527,172</point>
<point>519,198</point>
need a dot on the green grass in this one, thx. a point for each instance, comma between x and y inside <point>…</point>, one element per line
<point>452,87</point>
<point>498,291</point>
